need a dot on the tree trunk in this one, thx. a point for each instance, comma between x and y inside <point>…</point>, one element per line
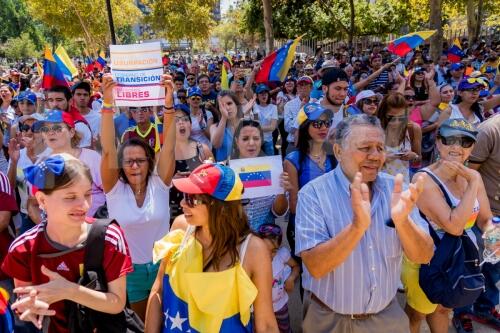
<point>351,28</point>
<point>471,22</point>
<point>479,20</point>
<point>268,25</point>
<point>435,22</point>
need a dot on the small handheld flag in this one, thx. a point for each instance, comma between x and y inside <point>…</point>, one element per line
<point>455,53</point>
<point>276,65</point>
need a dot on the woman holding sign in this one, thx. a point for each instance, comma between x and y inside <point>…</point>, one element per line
<point>137,191</point>
<point>248,139</point>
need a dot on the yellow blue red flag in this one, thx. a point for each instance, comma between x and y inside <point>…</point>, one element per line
<point>65,64</point>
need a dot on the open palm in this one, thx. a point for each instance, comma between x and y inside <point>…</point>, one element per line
<point>402,202</point>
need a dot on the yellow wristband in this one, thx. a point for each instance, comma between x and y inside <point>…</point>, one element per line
<point>106,105</point>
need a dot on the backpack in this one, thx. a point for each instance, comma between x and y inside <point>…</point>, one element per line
<point>85,320</point>
<point>453,277</point>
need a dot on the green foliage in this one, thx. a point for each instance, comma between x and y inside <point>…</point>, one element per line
<point>181,19</point>
<point>20,48</point>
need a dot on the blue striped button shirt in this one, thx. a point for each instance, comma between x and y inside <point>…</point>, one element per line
<point>368,279</point>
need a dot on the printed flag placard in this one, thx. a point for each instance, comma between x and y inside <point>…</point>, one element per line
<point>138,69</point>
<point>260,175</point>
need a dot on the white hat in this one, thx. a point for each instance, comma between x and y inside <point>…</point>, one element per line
<point>327,65</point>
<point>36,116</point>
<point>366,94</point>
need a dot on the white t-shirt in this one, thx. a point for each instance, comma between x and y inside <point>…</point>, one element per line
<point>281,272</point>
<point>142,225</point>
<point>456,114</point>
<point>266,115</point>
<point>92,159</point>
<point>94,120</point>
<point>84,131</point>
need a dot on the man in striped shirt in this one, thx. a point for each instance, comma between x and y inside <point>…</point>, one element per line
<point>352,226</point>
<point>383,78</point>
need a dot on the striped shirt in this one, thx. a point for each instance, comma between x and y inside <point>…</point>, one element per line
<point>382,79</point>
<point>5,186</point>
<point>368,279</point>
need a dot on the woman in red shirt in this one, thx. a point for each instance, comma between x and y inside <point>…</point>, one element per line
<point>46,261</point>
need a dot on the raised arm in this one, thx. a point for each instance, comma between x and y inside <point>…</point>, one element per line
<point>109,160</point>
<point>428,108</point>
<point>217,130</point>
<point>166,161</point>
<point>362,84</point>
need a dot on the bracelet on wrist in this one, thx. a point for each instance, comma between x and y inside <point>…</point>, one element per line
<point>107,110</point>
<point>169,107</point>
<point>107,105</point>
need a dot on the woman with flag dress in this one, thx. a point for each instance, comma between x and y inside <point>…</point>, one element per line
<point>212,269</point>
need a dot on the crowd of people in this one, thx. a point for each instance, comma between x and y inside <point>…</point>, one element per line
<point>383,160</point>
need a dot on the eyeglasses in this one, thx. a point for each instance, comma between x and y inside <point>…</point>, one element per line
<point>190,79</point>
<point>409,97</point>
<point>183,119</point>
<point>319,123</point>
<point>54,128</point>
<point>130,162</point>
<point>464,142</point>
<point>369,101</point>
<point>473,90</point>
<point>196,98</point>
<point>181,97</point>
<point>191,200</point>
<point>141,110</point>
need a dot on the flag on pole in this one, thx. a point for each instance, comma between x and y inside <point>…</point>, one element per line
<point>39,69</point>
<point>52,74</point>
<point>455,53</point>
<point>65,64</point>
<point>402,45</point>
<point>226,68</point>
<point>275,66</point>
<point>101,60</point>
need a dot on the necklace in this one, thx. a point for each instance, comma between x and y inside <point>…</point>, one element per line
<point>317,158</point>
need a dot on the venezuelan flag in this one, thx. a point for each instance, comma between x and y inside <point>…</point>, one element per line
<point>226,68</point>
<point>101,60</point>
<point>406,43</point>
<point>197,301</point>
<point>256,176</point>
<point>276,65</point>
<point>52,74</point>
<point>65,64</point>
<point>455,53</point>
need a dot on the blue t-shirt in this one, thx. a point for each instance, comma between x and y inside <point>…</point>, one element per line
<point>222,153</point>
<point>309,169</point>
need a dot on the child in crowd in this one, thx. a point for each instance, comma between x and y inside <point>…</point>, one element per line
<point>285,271</point>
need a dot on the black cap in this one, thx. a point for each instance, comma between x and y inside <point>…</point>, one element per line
<point>334,75</point>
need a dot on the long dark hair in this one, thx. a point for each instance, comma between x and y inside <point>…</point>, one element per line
<point>135,142</point>
<point>228,225</point>
<point>244,123</point>
<point>391,100</point>
<point>303,144</point>
<point>475,107</point>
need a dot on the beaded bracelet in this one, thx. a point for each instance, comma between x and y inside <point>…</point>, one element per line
<point>107,110</point>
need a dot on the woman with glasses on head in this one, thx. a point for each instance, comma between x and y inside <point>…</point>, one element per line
<point>213,271</point>
<point>137,191</point>
<point>465,190</point>
<point>402,136</point>
<point>311,158</point>
<point>24,151</point>
<point>189,154</point>
<point>248,139</point>
<point>201,119</point>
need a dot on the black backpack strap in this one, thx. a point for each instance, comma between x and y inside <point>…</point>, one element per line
<point>432,232</point>
<point>94,249</point>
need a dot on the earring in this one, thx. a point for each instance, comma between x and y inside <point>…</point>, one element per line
<point>43,213</point>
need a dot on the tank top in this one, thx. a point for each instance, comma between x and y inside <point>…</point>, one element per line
<point>455,201</point>
<point>198,301</point>
<point>399,166</point>
<point>222,153</point>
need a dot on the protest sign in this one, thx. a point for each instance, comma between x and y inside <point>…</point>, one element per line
<point>138,69</point>
<point>260,175</point>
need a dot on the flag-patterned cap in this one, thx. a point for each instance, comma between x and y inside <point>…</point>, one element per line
<point>312,111</point>
<point>58,116</point>
<point>213,179</point>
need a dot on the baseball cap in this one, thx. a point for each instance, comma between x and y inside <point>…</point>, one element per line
<point>261,88</point>
<point>328,64</point>
<point>471,82</point>
<point>194,91</point>
<point>27,96</point>
<point>214,179</point>
<point>38,117</point>
<point>366,94</point>
<point>457,66</point>
<point>312,111</point>
<point>419,70</point>
<point>458,127</point>
<point>334,75</point>
<point>58,116</point>
<point>305,79</point>
<point>182,107</point>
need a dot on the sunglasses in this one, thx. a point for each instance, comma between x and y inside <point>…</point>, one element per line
<point>26,128</point>
<point>476,80</point>
<point>191,200</point>
<point>190,79</point>
<point>196,98</point>
<point>464,142</point>
<point>409,97</point>
<point>370,101</point>
<point>319,123</point>
<point>54,128</point>
<point>130,162</point>
<point>181,97</point>
<point>183,119</point>
<point>473,90</point>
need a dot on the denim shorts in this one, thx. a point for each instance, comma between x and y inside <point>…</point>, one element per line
<point>140,281</point>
